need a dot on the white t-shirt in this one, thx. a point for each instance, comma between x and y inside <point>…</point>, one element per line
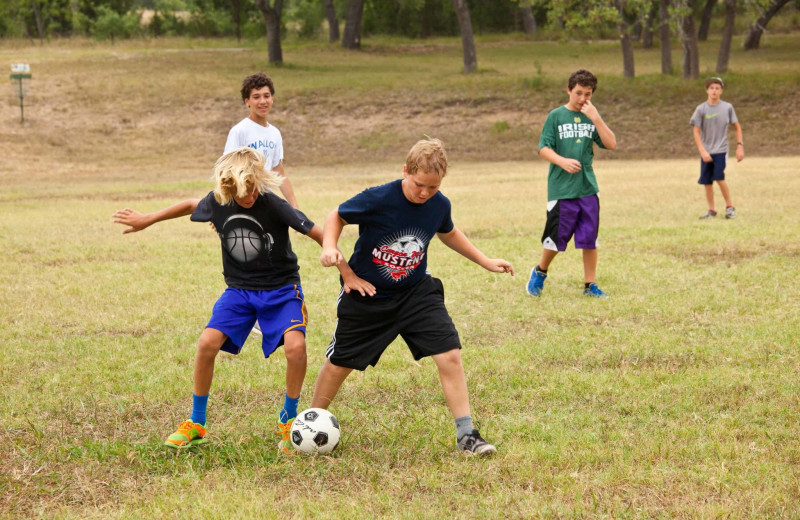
<point>264,139</point>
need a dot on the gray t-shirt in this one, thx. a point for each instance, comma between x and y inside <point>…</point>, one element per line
<point>713,121</point>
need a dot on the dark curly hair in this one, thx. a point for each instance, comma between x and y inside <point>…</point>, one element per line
<point>256,81</point>
<point>583,78</point>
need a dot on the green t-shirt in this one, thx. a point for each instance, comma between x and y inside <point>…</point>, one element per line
<point>570,134</point>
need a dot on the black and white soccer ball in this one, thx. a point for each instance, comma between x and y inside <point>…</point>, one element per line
<point>315,431</point>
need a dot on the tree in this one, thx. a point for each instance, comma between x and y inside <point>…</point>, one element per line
<point>625,40</point>
<point>467,38</point>
<point>688,37</point>
<point>647,33</point>
<point>528,20</point>
<point>705,20</point>
<point>236,7</point>
<point>727,36</point>
<point>664,37</point>
<point>272,18</point>
<point>352,24</point>
<point>757,29</point>
<point>333,22</point>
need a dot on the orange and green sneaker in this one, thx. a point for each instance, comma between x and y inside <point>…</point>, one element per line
<point>188,434</point>
<point>285,431</point>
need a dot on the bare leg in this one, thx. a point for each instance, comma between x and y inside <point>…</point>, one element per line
<point>726,192</point>
<point>211,340</point>
<point>329,381</point>
<point>590,265</point>
<point>454,383</point>
<point>294,347</point>
<point>547,256</point>
<point>709,195</point>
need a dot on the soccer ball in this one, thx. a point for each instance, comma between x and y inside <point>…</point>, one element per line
<point>315,431</point>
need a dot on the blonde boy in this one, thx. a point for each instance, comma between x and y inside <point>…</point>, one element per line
<point>261,273</point>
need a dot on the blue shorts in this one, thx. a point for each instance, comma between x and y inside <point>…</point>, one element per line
<point>278,312</point>
<point>568,217</point>
<point>714,170</point>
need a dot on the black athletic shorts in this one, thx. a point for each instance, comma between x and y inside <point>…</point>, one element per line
<point>366,325</point>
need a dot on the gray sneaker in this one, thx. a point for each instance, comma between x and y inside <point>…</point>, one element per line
<point>474,444</point>
<point>730,212</point>
<point>711,214</point>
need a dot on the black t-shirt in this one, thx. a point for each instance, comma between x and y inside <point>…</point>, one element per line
<point>393,235</point>
<point>256,251</point>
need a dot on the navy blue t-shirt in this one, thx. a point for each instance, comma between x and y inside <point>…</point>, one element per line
<point>393,235</point>
<point>256,250</point>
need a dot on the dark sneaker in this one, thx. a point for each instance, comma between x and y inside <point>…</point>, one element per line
<point>730,212</point>
<point>536,282</point>
<point>474,444</point>
<point>594,291</point>
<point>710,214</point>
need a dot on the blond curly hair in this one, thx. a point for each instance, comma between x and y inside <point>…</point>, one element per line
<point>239,171</point>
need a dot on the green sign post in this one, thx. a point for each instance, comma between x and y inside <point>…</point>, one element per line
<point>21,75</point>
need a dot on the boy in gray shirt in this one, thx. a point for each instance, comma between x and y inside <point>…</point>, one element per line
<point>710,125</point>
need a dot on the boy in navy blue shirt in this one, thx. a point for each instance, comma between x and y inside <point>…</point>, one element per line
<point>392,293</point>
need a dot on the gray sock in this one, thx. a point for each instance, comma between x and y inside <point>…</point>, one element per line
<point>463,426</point>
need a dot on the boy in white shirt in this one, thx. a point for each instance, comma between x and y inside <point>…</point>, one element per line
<point>258,93</point>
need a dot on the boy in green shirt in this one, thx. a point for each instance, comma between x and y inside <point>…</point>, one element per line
<point>573,208</point>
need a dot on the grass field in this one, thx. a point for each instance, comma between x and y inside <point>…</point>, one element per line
<point>678,397</point>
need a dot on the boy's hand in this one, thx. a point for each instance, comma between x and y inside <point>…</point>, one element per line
<point>354,283</point>
<point>705,156</point>
<point>590,111</point>
<point>331,257</point>
<point>498,265</point>
<point>570,165</point>
<point>739,153</point>
<point>132,218</point>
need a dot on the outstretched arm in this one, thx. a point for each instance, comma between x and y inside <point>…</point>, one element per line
<point>458,242</point>
<point>138,221</point>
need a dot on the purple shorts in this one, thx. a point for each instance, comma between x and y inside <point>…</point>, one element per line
<point>277,312</point>
<point>568,217</point>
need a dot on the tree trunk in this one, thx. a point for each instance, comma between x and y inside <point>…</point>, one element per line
<point>705,20</point>
<point>757,29</point>
<point>647,35</point>
<point>352,24</point>
<point>528,21</point>
<point>664,37</point>
<point>625,40</point>
<point>467,39</point>
<point>691,52</point>
<point>37,14</point>
<point>272,19</point>
<point>727,36</point>
<point>236,7</point>
<point>333,22</point>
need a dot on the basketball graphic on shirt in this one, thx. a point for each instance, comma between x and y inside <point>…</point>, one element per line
<point>245,239</point>
<point>399,255</point>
